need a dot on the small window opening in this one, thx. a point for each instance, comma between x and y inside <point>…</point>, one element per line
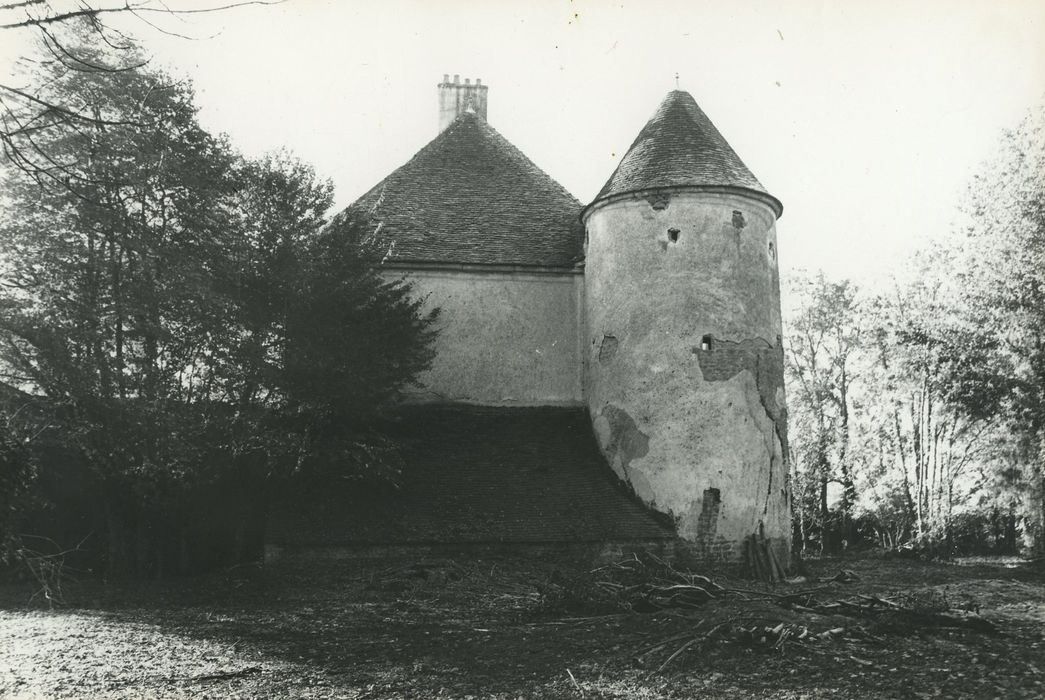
<point>608,348</point>
<point>673,235</point>
<point>772,251</point>
<point>712,497</point>
<point>705,343</point>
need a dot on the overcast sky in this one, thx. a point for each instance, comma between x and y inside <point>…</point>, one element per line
<point>866,118</point>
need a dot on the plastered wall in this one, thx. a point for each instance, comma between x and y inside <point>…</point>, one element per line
<point>506,338</point>
<point>684,361</point>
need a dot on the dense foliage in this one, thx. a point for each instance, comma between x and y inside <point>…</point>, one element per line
<point>181,309</point>
<point>923,408</point>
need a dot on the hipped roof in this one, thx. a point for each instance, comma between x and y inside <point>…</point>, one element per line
<point>471,197</point>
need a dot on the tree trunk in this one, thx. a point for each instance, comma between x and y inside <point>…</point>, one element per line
<point>1037,544</point>
<point>825,513</point>
<point>848,484</point>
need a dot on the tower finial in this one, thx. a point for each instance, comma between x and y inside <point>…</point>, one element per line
<point>676,80</point>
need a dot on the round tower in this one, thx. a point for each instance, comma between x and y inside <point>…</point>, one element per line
<point>684,378</point>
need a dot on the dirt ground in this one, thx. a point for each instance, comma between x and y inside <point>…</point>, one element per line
<point>496,628</point>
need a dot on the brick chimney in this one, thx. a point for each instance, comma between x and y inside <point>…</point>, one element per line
<point>456,98</point>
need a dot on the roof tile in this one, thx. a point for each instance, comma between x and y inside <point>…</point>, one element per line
<point>471,197</point>
<point>679,146</point>
<point>478,474</point>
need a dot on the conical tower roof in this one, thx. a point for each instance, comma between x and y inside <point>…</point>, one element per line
<point>680,147</point>
<point>471,197</point>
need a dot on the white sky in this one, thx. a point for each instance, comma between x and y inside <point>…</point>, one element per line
<point>866,118</point>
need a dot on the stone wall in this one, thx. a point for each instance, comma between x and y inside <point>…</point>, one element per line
<point>507,338</point>
<point>685,367</point>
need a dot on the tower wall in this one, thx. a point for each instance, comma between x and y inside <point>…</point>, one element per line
<point>684,376</point>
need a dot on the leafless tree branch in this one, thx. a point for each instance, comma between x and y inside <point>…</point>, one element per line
<point>78,116</point>
<point>16,5</point>
<point>60,52</point>
<point>28,111</point>
<point>128,7</point>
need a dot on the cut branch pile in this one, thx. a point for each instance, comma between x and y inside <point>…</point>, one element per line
<point>648,584</point>
<point>886,616</point>
<point>759,636</point>
<point>891,615</point>
<point>768,620</point>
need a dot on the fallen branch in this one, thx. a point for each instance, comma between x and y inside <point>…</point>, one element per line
<point>674,656</point>
<point>886,611</point>
<point>575,683</point>
<point>250,670</point>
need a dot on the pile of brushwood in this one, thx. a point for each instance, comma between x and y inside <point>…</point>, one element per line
<point>802,613</point>
<point>642,583</point>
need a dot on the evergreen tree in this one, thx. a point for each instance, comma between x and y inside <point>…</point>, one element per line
<point>172,302</point>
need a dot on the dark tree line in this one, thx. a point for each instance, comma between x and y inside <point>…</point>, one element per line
<point>175,311</point>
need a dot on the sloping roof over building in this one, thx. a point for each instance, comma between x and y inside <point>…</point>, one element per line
<point>679,146</point>
<point>478,475</point>
<point>471,197</point>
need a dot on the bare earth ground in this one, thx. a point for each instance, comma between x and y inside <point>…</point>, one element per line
<point>486,629</point>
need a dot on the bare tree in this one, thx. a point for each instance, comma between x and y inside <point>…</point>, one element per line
<point>824,335</point>
<point>76,36</point>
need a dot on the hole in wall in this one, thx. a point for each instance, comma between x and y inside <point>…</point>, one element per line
<point>608,348</point>
<point>772,251</point>
<point>738,219</point>
<point>705,343</point>
<point>673,235</point>
<point>707,525</point>
<point>659,201</point>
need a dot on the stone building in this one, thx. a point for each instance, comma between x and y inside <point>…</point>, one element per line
<point>608,374</point>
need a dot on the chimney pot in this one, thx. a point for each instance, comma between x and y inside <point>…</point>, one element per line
<point>478,81</point>
<point>459,98</point>
<point>446,77</point>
